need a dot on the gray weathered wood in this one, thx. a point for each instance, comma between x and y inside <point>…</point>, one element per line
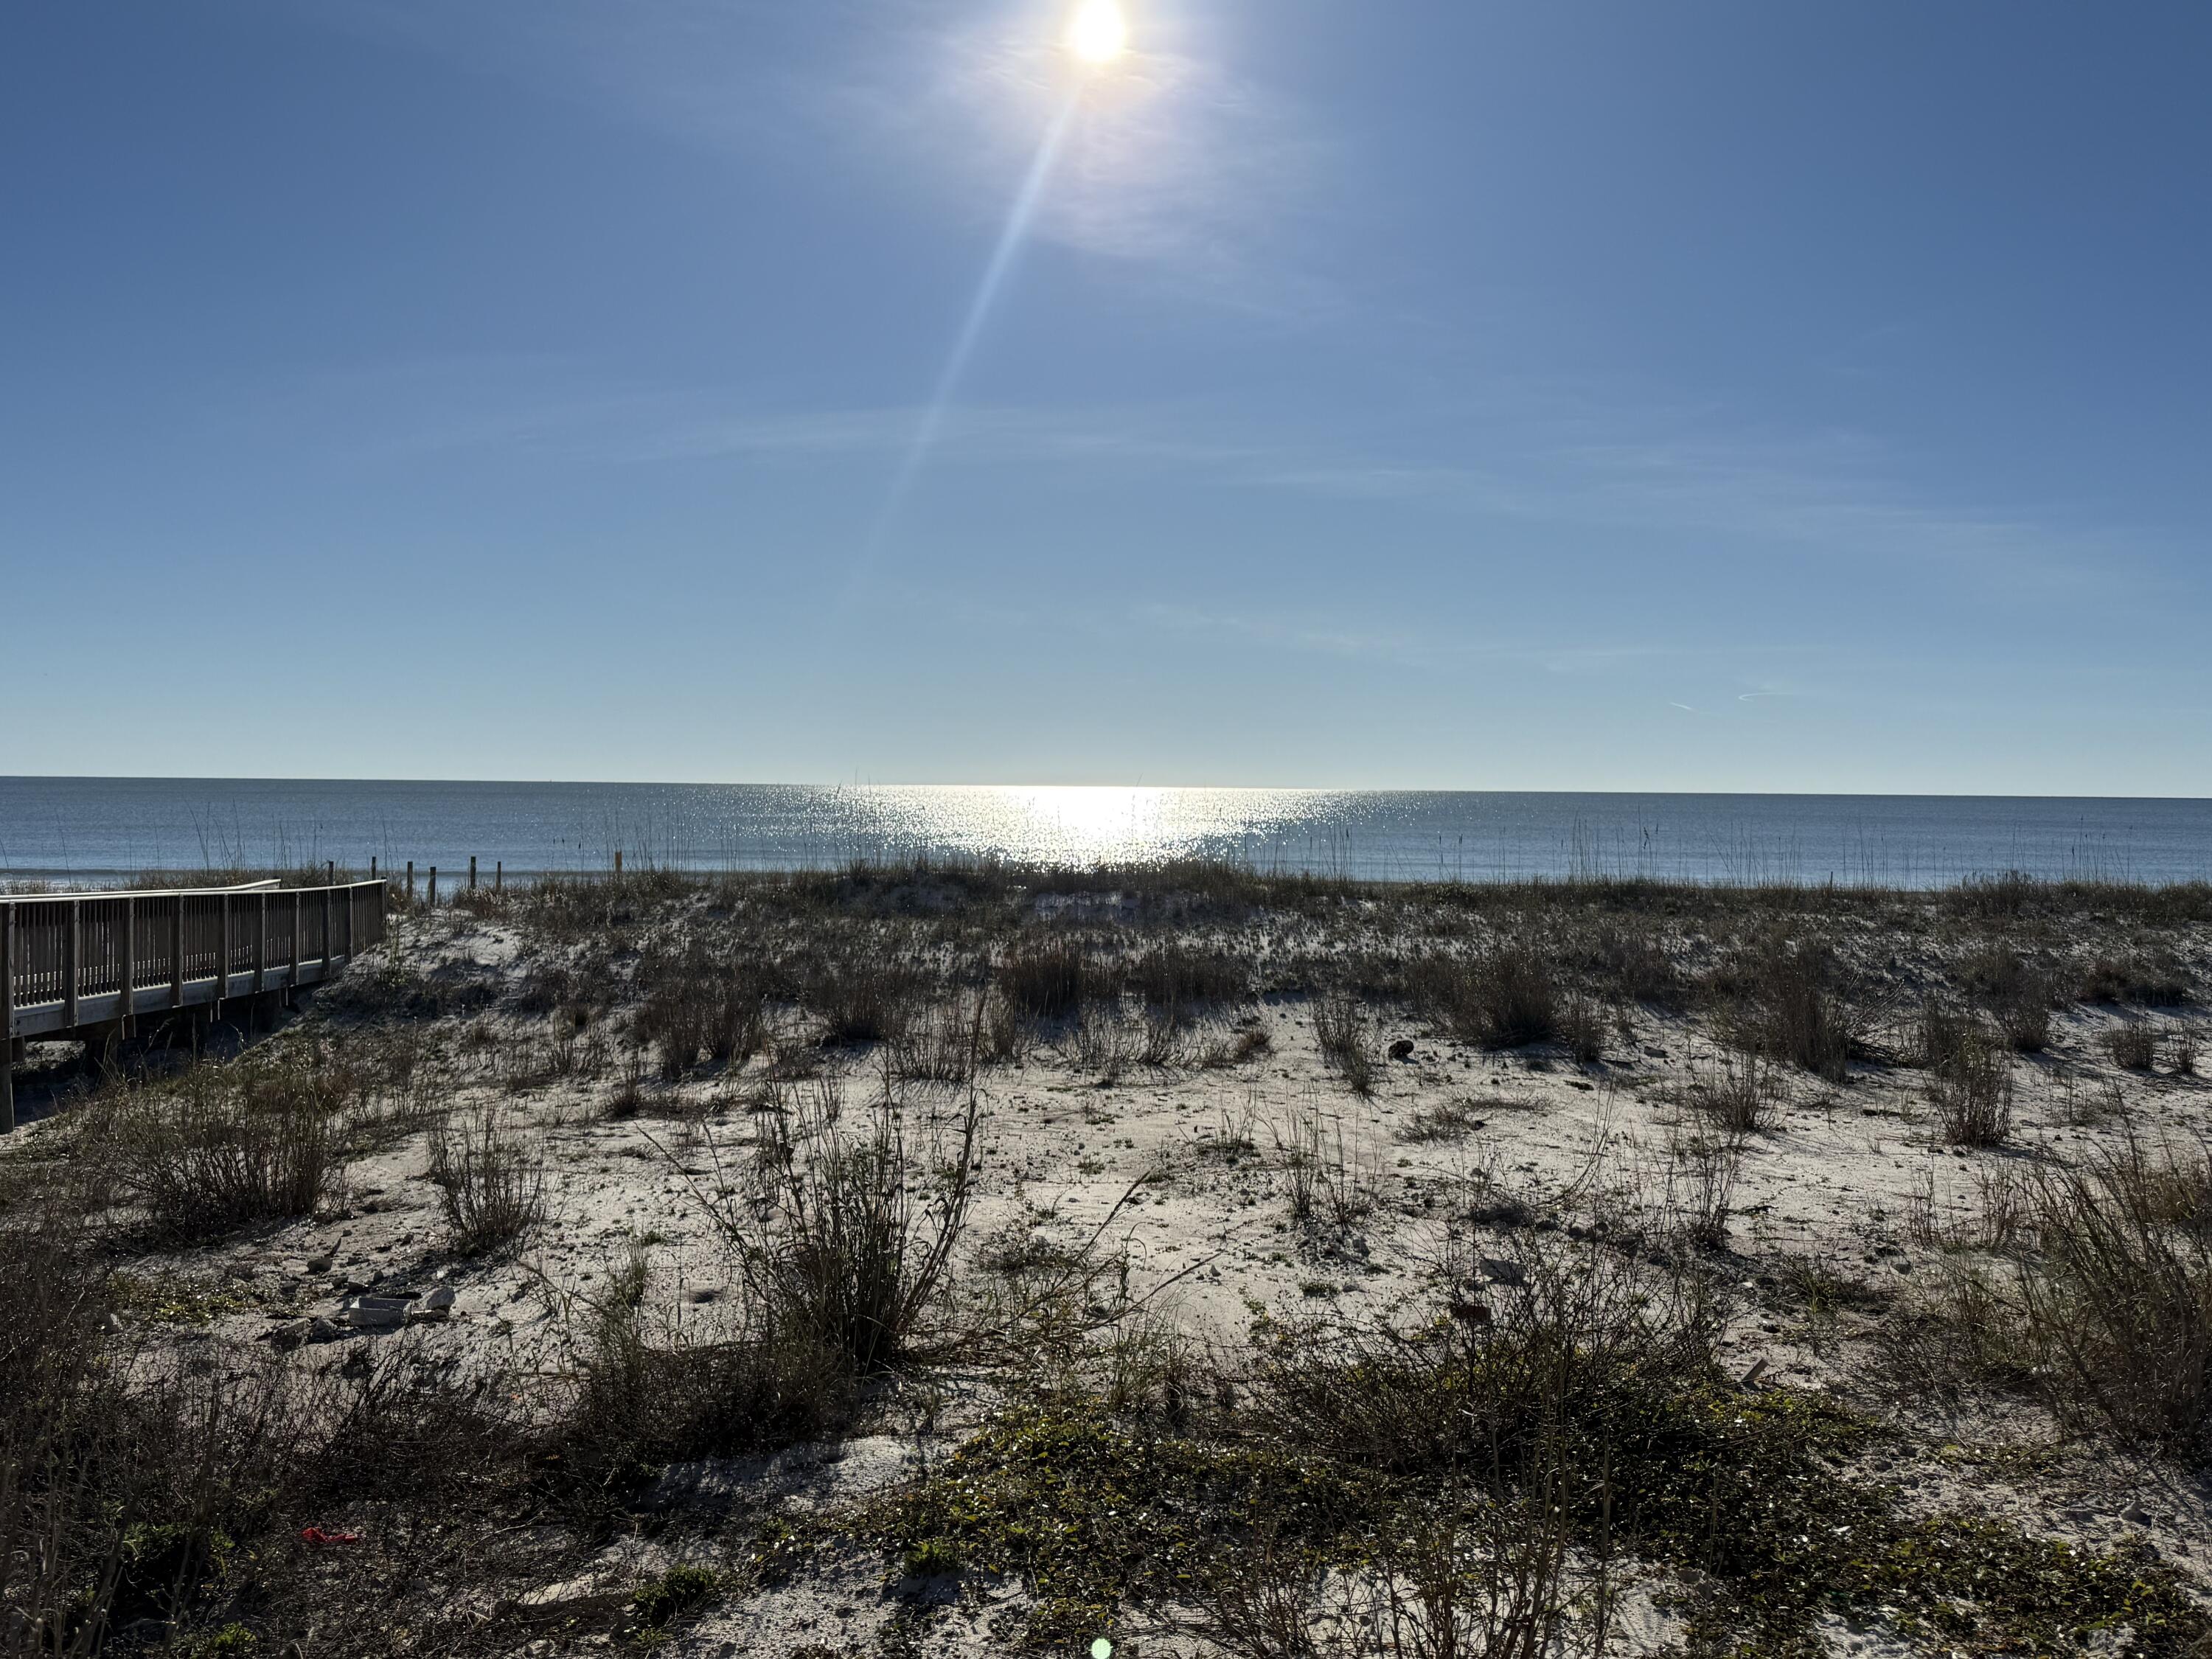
<point>7,1018</point>
<point>127,990</point>
<point>72,958</point>
<point>63,989</point>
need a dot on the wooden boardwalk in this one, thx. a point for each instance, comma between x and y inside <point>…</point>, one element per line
<point>91,965</point>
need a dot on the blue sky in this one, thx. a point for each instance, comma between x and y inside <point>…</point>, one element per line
<point>1699,396</point>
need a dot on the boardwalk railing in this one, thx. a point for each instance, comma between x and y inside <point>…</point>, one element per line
<point>73,962</point>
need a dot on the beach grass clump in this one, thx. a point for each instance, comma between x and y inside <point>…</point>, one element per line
<point>220,1147</point>
<point>1791,1001</point>
<point>862,994</point>
<point>1636,966</point>
<point>2133,1045</point>
<point>1346,1040</point>
<point>1508,997</point>
<point>2140,979</point>
<point>2014,991</point>
<point>849,1249</point>
<point>491,1184</point>
<point>2118,1302</point>
<point>1328,1178</point>
<point>699,1002</point>
<point>1970,1080</point>
<point>2099,1299</point>
<point>648,1392</point>
<point>1744,1096</point>
<point>1045,981</point>
<point>1186,978</point>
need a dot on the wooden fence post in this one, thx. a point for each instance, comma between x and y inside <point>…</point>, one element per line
<point>261,945</point>
<point>292,980</point>
<point>411,884</point>
<point>326,933</point>
<point>473,872</point>
<point>177,954</point>
<point>498,875</point>
<point>433,887</point>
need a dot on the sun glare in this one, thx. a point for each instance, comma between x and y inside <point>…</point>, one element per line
<point>1099,32</point>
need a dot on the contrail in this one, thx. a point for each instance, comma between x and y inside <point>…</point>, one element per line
<point>963,344</point>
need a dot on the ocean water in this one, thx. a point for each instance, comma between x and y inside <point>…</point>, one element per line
<point>89,830</point>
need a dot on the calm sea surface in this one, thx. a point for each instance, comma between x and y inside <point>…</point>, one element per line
<point>91,829</point>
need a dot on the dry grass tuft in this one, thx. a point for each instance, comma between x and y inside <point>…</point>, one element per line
<point>850,1246</point>
<point>491,1186</point>
<point>1346,1040</point>
<point>1508,998</point>
<point>220,1147</point>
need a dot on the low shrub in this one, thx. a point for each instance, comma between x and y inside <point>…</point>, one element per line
<point>851,1244</point>
<point>223,1146</point>
<point>2143,981</point>
<point>1797,1010</point>
<point>490,1185</point>
<point>1971,1088</point>
<point>2133,1046</point>
<point>1508,998</point>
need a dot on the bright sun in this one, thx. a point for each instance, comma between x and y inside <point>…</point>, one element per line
<point>1099,32</point>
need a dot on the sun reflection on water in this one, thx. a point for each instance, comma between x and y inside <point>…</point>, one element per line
<point>1081,823</point>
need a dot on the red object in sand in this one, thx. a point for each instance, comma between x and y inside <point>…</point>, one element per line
<point>317,1537</point>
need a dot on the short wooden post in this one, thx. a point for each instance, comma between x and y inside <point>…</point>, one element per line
<point>411,884</point>
<point>619,860</point>
<point>7,1018</point>
<point>498,875</point>
<point>473,872</point>
<point>372,867</point>
<point>72,957</point>
<point>126,992</point>
<point>330,872</point>
<point>177,954</point>
<point>433,887</point>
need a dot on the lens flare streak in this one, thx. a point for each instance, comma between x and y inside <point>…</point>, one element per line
<point>995,273</point>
